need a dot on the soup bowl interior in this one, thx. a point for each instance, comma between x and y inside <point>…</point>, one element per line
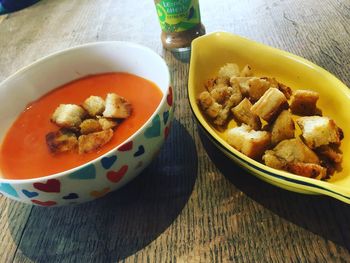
<point>212,51</point>
<point>102,175</point>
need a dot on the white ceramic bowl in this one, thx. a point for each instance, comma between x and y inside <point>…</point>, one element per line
<point>111,170</point>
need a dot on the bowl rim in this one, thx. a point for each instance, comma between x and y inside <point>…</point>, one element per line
<point>100,157</point>
<point>337,191</point>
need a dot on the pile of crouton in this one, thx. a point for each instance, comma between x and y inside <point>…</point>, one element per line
<point>265,112</point>
<point>86,128</point>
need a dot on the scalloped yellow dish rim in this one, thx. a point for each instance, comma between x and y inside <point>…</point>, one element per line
<point>211,51</point>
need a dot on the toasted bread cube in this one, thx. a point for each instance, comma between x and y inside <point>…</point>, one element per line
<point>304,102</point>
<point>243,114</point>
<point>310,170</point>
<point>330,154</point>
<point>289,151</point>
<point>242,83</point>
<point>287,91</point>
<point>257,88</point>
<point>222,117</point>
<point>283,128</point>
<point>294,156</point>
<point>209,105</point>
<point>214,110</point>
<point>62,140</point>
<point>116,107</point>
<point>270,104</point>
<point>221,81</point>
<point>246,71</point>
<point>93,141</point>
<point>234,99</point>
<point>68,115</point>
<point>205,100</point>
<point>318,131</point>
<point>107,123</point>
<point>229,70</point>
<point>90,126</point>
<point>94,105</point>
<point>221,94</point>
<point>248,141</point>
<point>209,85</point>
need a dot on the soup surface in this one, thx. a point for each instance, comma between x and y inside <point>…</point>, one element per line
<point>24,153</point>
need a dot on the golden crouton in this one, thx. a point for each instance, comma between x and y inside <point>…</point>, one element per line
<point>107,123</point>
<point>304,102</point>
<point>283,128</point>
<point>257,88</point>
<point>94,105</point>
<point>205,100</point>
<point>287,91</point>
<point>68,115</point>
<point>209,84</point>
<point>221,81</point>
<point>243,114</point>
<point>222,116</point>
<point>93,141</point>
<point>221,94</point>
<point>214,110</point>
<point>62,140</point>
<point>242,83</point>
<point>310,170</point>
<point>209,105</point>
<point>318,131</point>
<point>289,151</point>
<point>248,141</point>
<point>229,70</point>
<point>234,99</point>
<point>330,153</point>
<point>89,126</point>
<point>270,104</point>
<point>116,107</point>
<point>246,71</point>
<point>295,157</point>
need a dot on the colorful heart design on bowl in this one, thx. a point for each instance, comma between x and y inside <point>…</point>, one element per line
<point>71,196</point>
<point>126,147</point>
<point>85,173</point>
<point>97,194</point>
<point>44,203</point>
<point>166,132</point>
<point>29,194</point>
<point>140,151</point>
<point>169,98</point>
<point>51,186</point>
<point>165,117</point>
<point>116,176</point>
<point>107,162</point>
<point>154,129</point>
<point>8,189</point>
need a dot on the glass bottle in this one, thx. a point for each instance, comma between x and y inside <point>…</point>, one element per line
<point>180,22</point>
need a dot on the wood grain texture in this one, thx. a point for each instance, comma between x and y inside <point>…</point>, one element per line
<point>191,204</point>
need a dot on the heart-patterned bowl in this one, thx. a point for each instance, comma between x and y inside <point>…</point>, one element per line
<point>111,170</point>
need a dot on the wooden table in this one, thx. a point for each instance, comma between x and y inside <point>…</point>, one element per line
<point>191,204</point>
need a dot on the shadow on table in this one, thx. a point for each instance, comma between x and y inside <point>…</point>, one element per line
<point>123,222</point>
<point>321,215</point>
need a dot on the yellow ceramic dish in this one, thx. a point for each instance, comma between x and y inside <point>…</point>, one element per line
<point>212,51</point>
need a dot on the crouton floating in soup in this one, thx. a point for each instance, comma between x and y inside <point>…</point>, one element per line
<point>76,123</point>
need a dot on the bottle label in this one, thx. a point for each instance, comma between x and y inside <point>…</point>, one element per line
<point>178,15</point>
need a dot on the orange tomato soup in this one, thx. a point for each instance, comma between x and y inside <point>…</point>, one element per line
<point>24,153</point>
